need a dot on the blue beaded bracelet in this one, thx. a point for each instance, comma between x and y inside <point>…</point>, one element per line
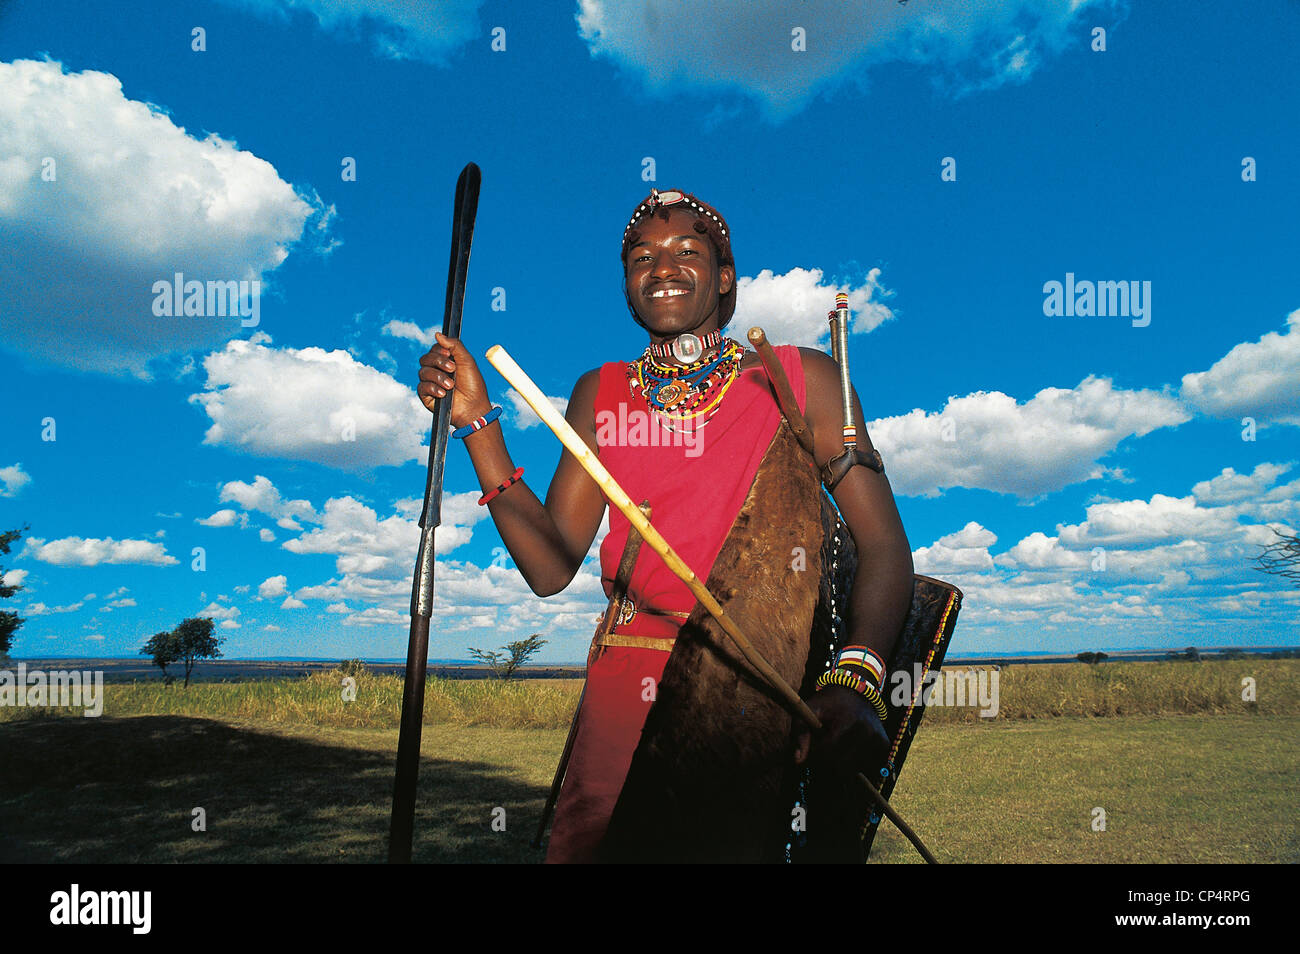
<point>482,422</point>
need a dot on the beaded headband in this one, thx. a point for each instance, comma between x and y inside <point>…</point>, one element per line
<point>657,199</point>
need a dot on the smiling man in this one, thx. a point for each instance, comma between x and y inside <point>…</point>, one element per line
<point>680,286</point>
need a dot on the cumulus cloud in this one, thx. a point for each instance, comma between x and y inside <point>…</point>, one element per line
<point>673,44</point>
<point>13,577</point>
<point>791,308</point>
<point>989,440</point>
<point>101,196</point>
<point>218,612</point>
<point>967,549</point>
<point>411,332</point>
<point>309,404</point>
<point>40,609</point>
<point>273,587</point>
<point>1259,379</point>
<point>1158,520</point>
<point>78,551</point>
<point>262,496</point>
<point>265,535</point>
<point>397,29</point>
<point>524,416</point>
<point>13,479</point>
<point>223,518</point>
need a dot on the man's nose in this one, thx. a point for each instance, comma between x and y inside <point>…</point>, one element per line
<point>665,264</point>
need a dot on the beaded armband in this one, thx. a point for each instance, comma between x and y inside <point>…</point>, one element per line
<point>862,670</point>
<point>478,425</point>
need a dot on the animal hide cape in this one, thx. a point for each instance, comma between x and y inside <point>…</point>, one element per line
<point>713,778</point>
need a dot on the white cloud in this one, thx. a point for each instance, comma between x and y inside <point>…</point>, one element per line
<point>1051,441</point>
<point>125,601</point>
<point>1259,379</point>
<point>524,416</point>
<point>1162,519</point>
<point>40,609</point>
<point>967,549</point>
<point>309,404</point>
<point>78,551</point>
<point>1230,487</point>
<point>412,332</point>
<point>397,29</point>
<point>266,536</point>
<point>13,478</point>
<point>271,628</point>
<point>791,308</point>
<point>14,577</point>
<point>217,611</point>
<point>228,624</point>
<point>273,587</point>
<point>222,518</point>
<point>261,495</point>
<point>293,603</point>
<point>134,200</point>
<point>672,45</point>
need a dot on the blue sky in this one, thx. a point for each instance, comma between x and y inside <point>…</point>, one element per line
<point>1024,448</point>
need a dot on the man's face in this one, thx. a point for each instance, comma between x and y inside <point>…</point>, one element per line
<point>673,278</point>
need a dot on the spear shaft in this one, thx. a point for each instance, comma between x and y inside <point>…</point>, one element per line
<point>402,822</point>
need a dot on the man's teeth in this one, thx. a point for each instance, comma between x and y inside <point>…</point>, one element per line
<point>666,292</point>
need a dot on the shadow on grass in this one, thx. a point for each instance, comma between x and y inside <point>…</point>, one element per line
<point>125,790</point>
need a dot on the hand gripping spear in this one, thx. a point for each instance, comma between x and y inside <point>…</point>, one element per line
<point>402,823</point>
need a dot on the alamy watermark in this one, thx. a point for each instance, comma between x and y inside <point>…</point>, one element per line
<point>948,687</point>
<point>64,688</point>
<point>211,299</point>
<point>638,428</point>
<point>1086,299</point>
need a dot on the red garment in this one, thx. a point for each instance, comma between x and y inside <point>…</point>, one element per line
<point>696,488</point>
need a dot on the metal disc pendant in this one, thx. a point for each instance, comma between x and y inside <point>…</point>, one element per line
<point>687,348</point>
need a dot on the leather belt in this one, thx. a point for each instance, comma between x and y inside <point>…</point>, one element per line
<point>663,643</point>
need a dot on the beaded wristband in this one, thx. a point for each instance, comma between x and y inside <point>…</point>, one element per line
<point>842,677</point>
<point>513,478</point>
<point>478,425</point>
<point>864,660</point>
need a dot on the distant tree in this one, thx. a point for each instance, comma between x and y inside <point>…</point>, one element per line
<point>504,662</point>
<point>1191,654</point>
<point>354,667</point>
<point>189,642</point>
<point>1092,658</point>
<point>165,649</point>
<point>1282,557</point>
<point>9,621</point>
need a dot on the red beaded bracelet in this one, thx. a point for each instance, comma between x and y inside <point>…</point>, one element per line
<point>513,478</point>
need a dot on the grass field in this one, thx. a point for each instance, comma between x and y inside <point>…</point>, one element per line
<point>282,774</point>
<point>1025,691</point>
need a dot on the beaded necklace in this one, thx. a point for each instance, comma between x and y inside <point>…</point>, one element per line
<point>686,394</point>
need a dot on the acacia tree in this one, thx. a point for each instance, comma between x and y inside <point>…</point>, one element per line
<point>9,621</point>
<point>504,662</point>
<point>1282,557</point>
<point>189,642</point>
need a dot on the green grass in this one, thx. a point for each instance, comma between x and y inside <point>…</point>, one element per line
<point>1175,788</point>
<point>318,699</point>
<point>1138,688</point>
<point>287,770</point>
<point>1025,692</point>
